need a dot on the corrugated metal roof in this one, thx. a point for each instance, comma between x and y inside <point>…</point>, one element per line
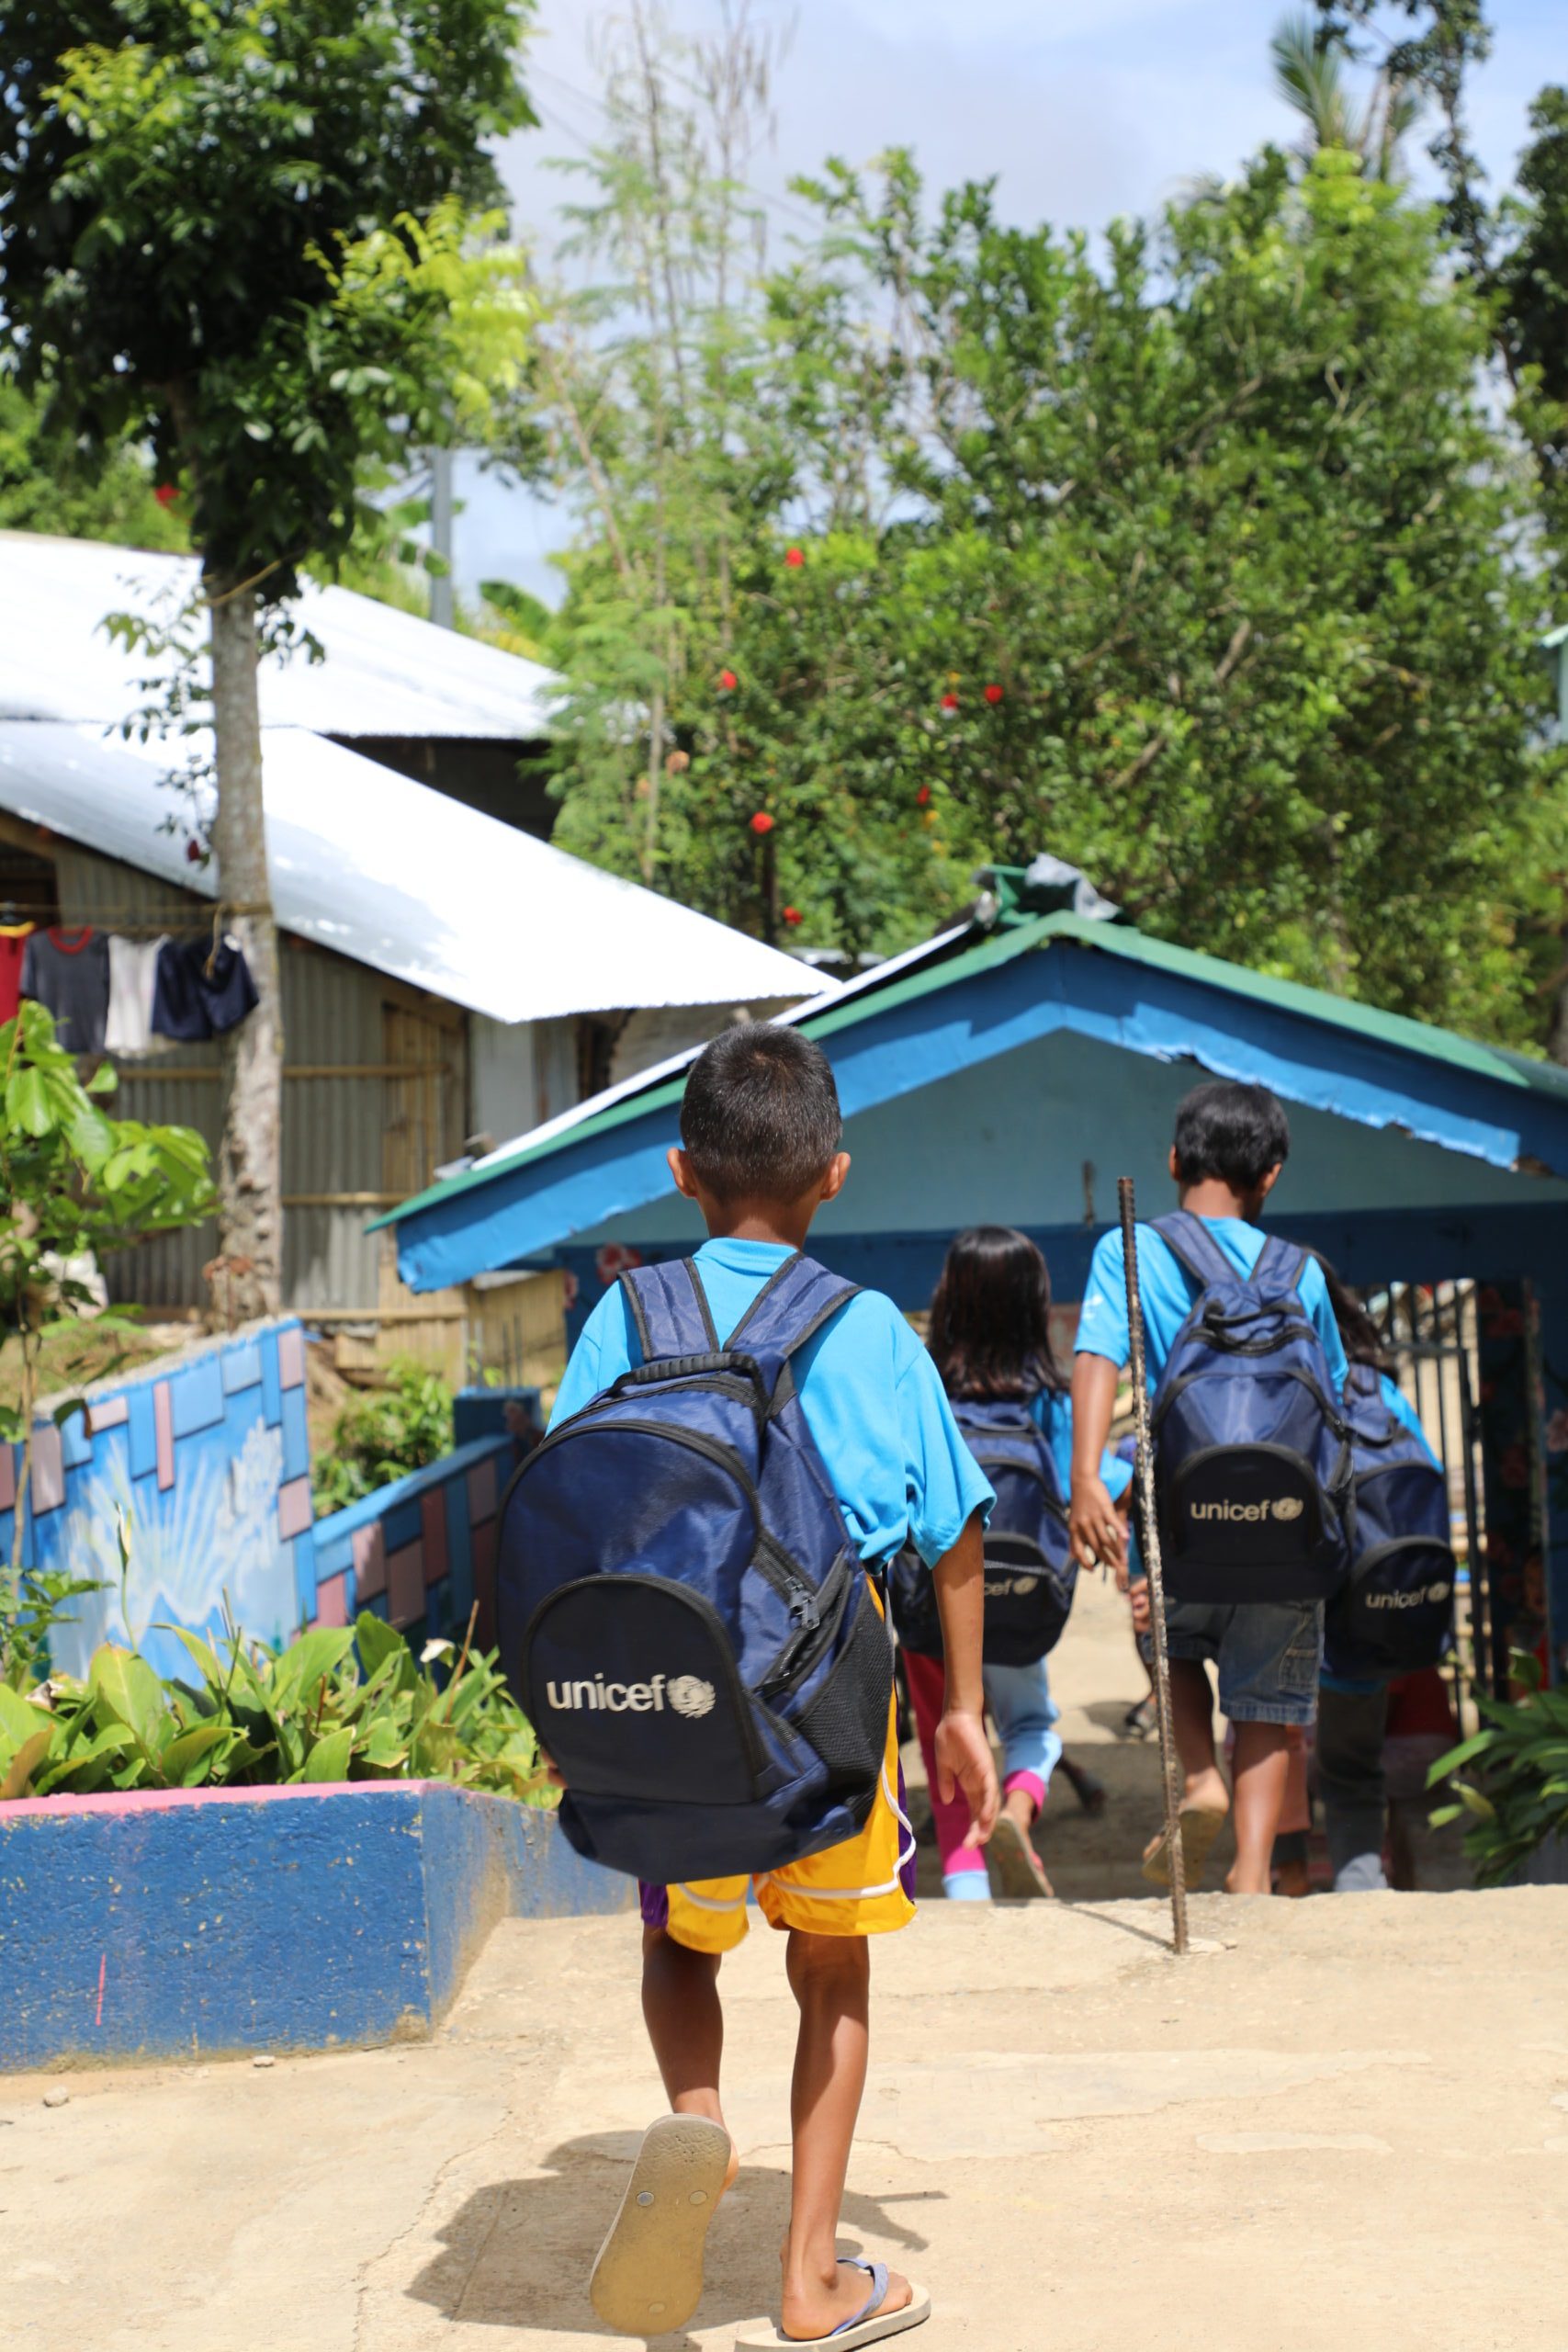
<point>405,880</point>
<point>1390,1036</point>
<point>386,673</point>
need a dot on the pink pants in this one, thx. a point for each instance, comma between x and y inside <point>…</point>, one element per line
<point>928,1695</point>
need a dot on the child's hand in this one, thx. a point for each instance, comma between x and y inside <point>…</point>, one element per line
<point>1099,1534</point>
<point>964,1761</point>
<point>1143,1616</point>
<point>553,1773</point>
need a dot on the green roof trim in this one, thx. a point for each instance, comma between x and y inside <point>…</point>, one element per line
<point>1394,1030</point>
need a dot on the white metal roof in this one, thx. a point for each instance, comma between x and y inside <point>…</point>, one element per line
<point>386,673</point>
<point>401,878</point>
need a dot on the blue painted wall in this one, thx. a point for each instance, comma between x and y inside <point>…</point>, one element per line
<point>151,1926</point>
<point>193,1458</point>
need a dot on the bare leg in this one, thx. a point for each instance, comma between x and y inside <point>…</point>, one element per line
<point>1192,1712</point>
<point>1262,1769</point>
<point>685,2024</point>
<point>830,1978</point>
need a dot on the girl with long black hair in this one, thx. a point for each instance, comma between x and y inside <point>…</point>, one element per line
<point>990,1340</point>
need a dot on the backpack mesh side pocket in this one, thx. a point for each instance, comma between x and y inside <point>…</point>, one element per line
<point>846,1722</point>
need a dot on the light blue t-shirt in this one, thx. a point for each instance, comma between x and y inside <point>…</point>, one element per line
<point>1052,1409</point>
<point>1404,1411</point>
<point>1167,1292</point>
<point>869,1391</point>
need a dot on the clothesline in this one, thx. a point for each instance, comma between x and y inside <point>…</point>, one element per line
<point>106,989</point>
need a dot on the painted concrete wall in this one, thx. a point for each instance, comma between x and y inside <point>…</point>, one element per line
<point>204,1459</point>
<point>419,1553</point>
<point>150,1926</point>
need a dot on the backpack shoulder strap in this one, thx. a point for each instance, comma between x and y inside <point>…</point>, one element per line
<point>1195,1249</point>
<point>791,1307</point>
<point>1281,1262</point>
<point>668,1309</point>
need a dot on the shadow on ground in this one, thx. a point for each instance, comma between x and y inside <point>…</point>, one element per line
<point>517,2252</point>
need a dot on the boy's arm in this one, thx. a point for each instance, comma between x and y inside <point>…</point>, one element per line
<point>1094,1523</point>
<point>963,1751</point>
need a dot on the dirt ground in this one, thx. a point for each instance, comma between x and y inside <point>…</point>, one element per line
<point>1341,2123</point>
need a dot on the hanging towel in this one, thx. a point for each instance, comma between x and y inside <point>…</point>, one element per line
<point>133,972</point>
<point>13,938</point>
<point>189,1000</point>
<point>68,973</point>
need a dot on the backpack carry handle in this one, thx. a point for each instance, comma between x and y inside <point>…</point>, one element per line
<point>713,1360</point>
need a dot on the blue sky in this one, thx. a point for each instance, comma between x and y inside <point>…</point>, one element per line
<point>1082,108</point>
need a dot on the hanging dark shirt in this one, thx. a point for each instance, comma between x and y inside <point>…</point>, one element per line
<point>68,973</point>
<point>189,1001</point>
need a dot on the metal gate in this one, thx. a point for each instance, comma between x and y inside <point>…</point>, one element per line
<point>1432,1333</point>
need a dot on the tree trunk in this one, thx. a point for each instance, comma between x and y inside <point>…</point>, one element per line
<point>249,1211</point>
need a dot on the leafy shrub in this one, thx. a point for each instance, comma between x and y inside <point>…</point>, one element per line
<point>385,1434</point>
<point>314,1712</point>
<point>1520,1798</point>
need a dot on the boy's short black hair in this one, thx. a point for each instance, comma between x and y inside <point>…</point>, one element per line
<point>1236,1133</point>
<point>760,1120</point>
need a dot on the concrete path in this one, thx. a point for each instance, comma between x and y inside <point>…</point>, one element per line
<point>1344,2125</point>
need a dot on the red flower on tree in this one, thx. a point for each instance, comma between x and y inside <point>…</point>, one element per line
<point>993,694</point>
<point>950,701</point>
<point>923,796</point>
<point>167,493</point>
<point>762,823</point>
<point>794,558</point>
<point>728,682</point>
<point>792,914</point>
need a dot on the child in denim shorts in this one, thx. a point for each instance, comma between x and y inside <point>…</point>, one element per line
<point>1231,1144</point>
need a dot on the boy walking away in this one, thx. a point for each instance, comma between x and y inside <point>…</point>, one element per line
<point>706,1660</point>
<point>1242,1348</point>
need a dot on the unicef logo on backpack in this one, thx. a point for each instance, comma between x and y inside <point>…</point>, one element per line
<point>1009,1588</point>
<point>1421,1596</point>
<point>1289,1507</point>
<point>692,1697</point>
<point>684,1694</point>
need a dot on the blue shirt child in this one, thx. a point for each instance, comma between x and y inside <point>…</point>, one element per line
<point>1168,1291</point>
<point>869,1391</point>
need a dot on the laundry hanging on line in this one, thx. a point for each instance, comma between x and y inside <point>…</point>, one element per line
<point>201,991</point>
<point>68,973</point>
<point>127,996</point>
<point>13,938</point>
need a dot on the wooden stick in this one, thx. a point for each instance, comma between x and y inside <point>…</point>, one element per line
<point>1148,1524</point>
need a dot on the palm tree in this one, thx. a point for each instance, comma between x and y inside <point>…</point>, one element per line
<point>1309,73</point>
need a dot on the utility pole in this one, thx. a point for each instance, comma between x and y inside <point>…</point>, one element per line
<point>442,608</point>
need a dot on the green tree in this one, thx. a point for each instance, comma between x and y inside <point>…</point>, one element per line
<point>45,486</point>
<point>1309,73</point>
<point>1199,564</point>
<point>244,235</point>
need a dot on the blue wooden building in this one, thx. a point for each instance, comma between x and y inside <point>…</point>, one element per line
<point>1013,1069</point>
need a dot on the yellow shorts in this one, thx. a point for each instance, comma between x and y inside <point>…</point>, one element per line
<point>863,1887</point>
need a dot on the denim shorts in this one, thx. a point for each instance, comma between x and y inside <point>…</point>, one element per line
<point>1268,1652</point>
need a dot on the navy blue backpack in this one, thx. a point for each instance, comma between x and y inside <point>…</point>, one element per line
<point>1394,1614</point>
<point>1252,1456</point>
<point>1031,1574</point>
<point>696,1640</point>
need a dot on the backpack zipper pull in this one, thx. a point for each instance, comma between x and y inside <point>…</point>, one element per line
<point>803,1607</point>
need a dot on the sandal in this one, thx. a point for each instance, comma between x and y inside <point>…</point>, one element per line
<point>1200,1827</point>
<point>648,2278</point>
<point>868,2325</point>
<point>1017,1870</point>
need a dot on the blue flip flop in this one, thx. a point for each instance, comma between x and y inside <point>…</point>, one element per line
<point>868,2325</point>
